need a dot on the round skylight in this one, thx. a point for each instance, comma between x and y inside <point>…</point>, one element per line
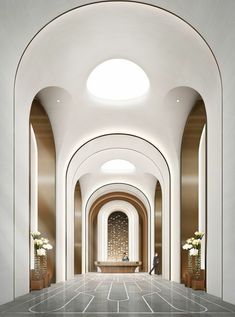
<point>118,166</point>
<point>118,79</point>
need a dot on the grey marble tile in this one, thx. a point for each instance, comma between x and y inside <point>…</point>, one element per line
<point>113,295</point>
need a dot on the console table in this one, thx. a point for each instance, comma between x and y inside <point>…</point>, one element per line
<point>118,267</point>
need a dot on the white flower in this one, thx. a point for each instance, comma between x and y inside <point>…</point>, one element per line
<point>47,246</point>
<point>41,252</point>
<point>44,240</point>
<point>190,240</point>
<point>193,252</point>
<point>199,234</point>
<point>35,234</point>
<point>187,246</point>
<point>38,242</point>
<point>196,242</point>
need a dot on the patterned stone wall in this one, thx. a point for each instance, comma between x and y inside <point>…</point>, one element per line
<point>117,235</point>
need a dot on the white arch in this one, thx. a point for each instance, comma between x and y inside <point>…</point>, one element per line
<point>156,166</point>
<point>133,228</point>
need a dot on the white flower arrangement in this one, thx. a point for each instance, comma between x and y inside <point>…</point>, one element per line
<point>187,246</point>
<point>196,242</point>
<point>35,234</point>
<point>47,246</point>
<point>38,243</point>
<point>41,244</point>
<point>199,235</point>
<point>193,244</point>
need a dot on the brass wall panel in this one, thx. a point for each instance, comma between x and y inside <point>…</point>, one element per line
<point>158,225</point>
<point>117,235</point>
<point>77,230</point>
<point>189,176</point>
<point>46,179</point>
<point>92,227</point>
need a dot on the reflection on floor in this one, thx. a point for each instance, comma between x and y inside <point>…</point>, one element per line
<point>113,295</point>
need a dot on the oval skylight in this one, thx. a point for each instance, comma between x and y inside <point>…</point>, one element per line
<point>118,166</point>
<point>118,79</point>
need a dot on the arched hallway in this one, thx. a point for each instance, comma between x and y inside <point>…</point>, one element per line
<point>130,295</point>
<point>117,145</point>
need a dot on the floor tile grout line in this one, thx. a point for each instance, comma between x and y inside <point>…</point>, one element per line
<point>185,297</point>
<point>203,298</point>
<point>58,294</point>
<point>42,294</point>
<point>88,304</point>
<point>193,294</point>
<point>180,310</point>
<point>99,280</point>
<point>148,304</point>
<point>56,310</point>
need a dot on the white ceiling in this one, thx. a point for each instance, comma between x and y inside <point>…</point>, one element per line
<point>60,58</point>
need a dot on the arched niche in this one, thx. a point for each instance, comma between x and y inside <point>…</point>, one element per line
<point>42,181</point>
<point>133,204</point>
<point>77,229</point>
<point>118,240</point>
<point>193,181</point>
<point>158,225</point>
<point>132,229</point>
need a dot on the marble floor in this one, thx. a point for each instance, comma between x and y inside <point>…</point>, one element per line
<point>131,295</point>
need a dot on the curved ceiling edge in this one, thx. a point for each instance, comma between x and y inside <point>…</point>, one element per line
<point>119,134</point>
<point>109,188</point>
<point>103,1</point>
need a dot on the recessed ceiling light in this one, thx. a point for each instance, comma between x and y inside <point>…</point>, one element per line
<point>118,166</point>
<point>58,100</point>
<point>177,100</point>
<point>118,79</point>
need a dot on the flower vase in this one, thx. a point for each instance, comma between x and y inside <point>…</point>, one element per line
<point>44,264</point>
<point>190,264</point>
<point>197,266</point>
<point>37,266</point>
